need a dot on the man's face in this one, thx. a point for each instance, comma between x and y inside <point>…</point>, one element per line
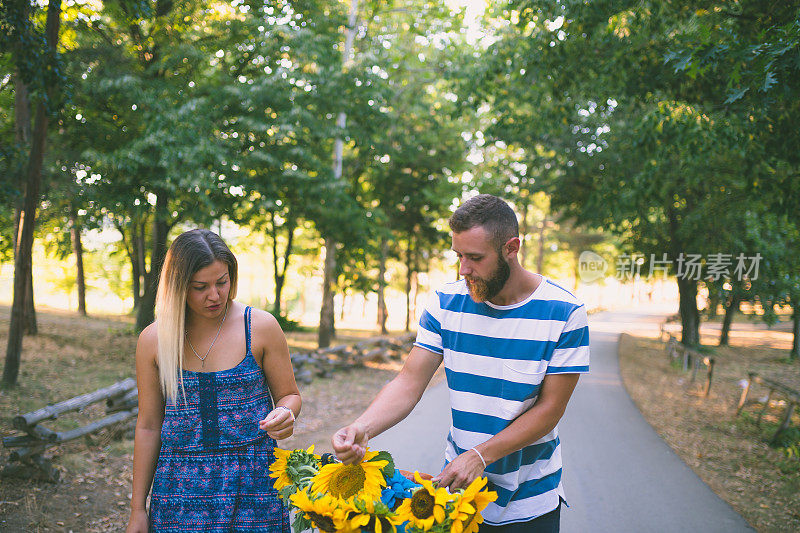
<point>481,264</point>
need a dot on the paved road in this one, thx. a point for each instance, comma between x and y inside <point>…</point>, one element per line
<point>619,475</point>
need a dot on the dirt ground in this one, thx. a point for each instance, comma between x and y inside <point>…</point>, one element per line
<point>74,355</point>
<point>729,453</point>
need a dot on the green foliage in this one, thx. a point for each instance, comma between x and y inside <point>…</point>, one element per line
<point>388,470</point>
<point>22,32</point>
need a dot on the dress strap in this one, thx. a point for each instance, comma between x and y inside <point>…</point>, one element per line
<point>247,313</point>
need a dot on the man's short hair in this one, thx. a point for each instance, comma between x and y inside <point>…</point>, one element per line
<point>491,213</point>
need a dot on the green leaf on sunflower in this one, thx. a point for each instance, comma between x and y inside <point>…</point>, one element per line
<point>388,470</point>
<point>301,522</point>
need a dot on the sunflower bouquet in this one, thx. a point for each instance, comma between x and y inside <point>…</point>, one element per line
<point>372,496</point>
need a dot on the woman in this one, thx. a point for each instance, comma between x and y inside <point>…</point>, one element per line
<point>206,426</point>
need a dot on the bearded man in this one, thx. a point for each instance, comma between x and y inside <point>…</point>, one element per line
<point>513,344</point>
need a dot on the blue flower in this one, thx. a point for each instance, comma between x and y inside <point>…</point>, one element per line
<point>397,488</point>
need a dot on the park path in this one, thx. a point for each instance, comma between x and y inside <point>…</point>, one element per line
<point>619,475</point>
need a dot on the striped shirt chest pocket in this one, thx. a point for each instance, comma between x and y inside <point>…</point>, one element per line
<point>520,386</point>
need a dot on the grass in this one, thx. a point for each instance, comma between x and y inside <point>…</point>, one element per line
<point>731,454</point>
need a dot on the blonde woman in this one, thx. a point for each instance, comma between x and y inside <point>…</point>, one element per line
<point>207,422</point>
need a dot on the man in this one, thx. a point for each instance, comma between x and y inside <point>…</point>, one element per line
<point>513,344</point>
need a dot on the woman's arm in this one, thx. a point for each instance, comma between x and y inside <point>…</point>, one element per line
<point>147,440</point>
<point>272,354</point>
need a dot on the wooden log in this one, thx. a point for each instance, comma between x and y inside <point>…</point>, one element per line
<point>363,345</point>
<point>73,404</point>
<point>22,454</point>
<point>376,355</point>
<point>22,440</point>
<point>332,350</point>
<point>41,432</point>
<point>777,385</point>
<point>66,436</point>
<point>31,471</point>
<point>123,403</point>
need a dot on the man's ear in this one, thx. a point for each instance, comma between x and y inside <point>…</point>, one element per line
<point>512,245</point>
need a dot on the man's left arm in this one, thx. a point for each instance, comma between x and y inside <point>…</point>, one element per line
<point>526,429</point>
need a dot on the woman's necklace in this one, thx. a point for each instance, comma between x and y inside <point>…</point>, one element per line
<point>203,359</point>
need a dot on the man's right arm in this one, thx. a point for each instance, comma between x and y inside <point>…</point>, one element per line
<point>392,404</point>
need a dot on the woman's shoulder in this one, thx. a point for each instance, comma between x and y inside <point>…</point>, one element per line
<point>262,320</point>
<point>149,336</point>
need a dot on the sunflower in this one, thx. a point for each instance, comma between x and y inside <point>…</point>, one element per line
<point>467,507</point>
<point>370,516</point>
<point>293,467</point>
<point>426,506</point>
<point>363,480</point>
<point>325,512</point>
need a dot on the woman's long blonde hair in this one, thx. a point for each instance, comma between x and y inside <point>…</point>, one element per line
<point>189,252</point>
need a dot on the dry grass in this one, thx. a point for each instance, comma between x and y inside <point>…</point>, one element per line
<point>73,355</point>
<point>730,454</point>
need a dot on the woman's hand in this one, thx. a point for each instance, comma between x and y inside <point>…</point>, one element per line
<point>279,423</point>
<point>138,522</point>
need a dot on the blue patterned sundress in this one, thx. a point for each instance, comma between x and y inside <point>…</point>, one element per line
<point>213,467</point>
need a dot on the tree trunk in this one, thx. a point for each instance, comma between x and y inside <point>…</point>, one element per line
<point>410,270</point>
<point>22,110</point>
<point>30,326</point>
<point>326,330</point>
<point>280,273</point>
<point>22,134</point>
<point>713,301</point>
<point>141,257</point>
<point>136,268</point>
<point>77,248</point>
<point>130,242</point>
<point>690,316</point>
<point>794,355</point>
<point>540,259</point>
<point>276,303</point>
<point>383,312</point>
<point>523,232</point>
<point>22,262</point>
<point>145,314</point>
<point>730,310</point>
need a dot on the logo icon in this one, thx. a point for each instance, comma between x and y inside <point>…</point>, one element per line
<point>591,267</point>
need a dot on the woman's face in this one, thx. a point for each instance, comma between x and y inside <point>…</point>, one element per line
<point>208,291</point>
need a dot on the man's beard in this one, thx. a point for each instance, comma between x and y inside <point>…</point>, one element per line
<point>481,289</point>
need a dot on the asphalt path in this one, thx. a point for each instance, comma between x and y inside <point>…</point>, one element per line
<point>619,475</point>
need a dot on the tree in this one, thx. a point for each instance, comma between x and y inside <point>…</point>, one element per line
<point>16,22</point>
<point>151,106</point>
<point>640,151</point>
<point>326,330</point>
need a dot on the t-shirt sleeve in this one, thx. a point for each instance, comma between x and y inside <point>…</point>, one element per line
<point>571,354</point>
<point>429,333</point>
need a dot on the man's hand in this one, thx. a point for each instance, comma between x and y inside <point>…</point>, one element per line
<point>461,471</point>
<point>350,443</point>
<point>279,423</point>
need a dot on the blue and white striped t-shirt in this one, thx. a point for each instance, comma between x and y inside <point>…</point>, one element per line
<point>495,359</point>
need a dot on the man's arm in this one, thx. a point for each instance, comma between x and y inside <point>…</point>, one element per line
<point>392,404</point>
<point>529,427</point>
